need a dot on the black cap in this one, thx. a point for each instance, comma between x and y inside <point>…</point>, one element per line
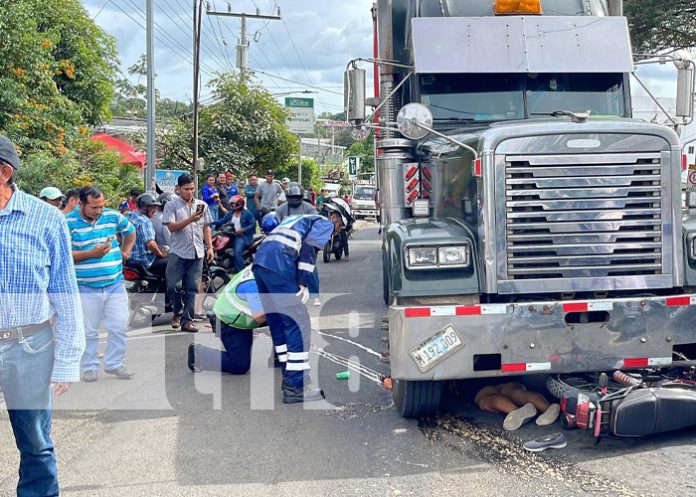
<point>8,153</point>
<point>269,172</point>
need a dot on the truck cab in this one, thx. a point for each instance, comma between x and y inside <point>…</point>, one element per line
<point>363,201</point>
<point>530,225</point>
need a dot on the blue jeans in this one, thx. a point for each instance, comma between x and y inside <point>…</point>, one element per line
<point>214,211</point>
<point>236,359</point>
<point>183,275</point>
<point>239,245</point>
<point>110,305</point>
<point>25,374</point>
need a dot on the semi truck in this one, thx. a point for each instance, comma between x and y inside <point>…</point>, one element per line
<point>529,224</point>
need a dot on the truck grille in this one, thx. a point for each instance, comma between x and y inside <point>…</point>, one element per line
<point>583,215</point>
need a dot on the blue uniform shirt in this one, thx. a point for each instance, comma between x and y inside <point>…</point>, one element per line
<point>291,249</point>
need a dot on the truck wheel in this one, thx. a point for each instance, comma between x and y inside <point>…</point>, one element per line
<point>414,399</point>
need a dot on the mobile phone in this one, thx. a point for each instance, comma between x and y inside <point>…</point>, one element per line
<point>200,208</point>
<point>109,240</point>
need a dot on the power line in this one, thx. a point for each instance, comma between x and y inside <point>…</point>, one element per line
<point>292,42</point>
<point>185,56</point>
<point>243,45</point>
<point>222,37</point>
<point>275,76</point>
<point>183,49</point>
<point>183,24</point>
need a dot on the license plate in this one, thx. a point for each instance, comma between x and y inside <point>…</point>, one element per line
<point>436,348</point>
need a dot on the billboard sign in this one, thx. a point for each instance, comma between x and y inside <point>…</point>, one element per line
<point>301,118</point>
<point>166,179</point>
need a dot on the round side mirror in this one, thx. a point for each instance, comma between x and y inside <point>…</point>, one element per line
<point>359,133</point>
<point>409,118</point>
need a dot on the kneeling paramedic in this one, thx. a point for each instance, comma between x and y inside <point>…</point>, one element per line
<point>283,264</point>
<point>238,310</point>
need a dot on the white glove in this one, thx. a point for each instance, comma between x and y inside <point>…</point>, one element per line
<point>303,294</point>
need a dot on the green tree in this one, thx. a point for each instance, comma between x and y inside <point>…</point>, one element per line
<point>244,131</point>
<point>661,24</point>
<point>310,172</point>
<point>130,98</point>
<point>56,78</point>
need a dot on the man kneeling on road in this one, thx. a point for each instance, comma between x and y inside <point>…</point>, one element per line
<point>239,310</point>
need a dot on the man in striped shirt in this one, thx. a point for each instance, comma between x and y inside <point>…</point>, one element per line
<point>98,263</point>
<point>41,334</point>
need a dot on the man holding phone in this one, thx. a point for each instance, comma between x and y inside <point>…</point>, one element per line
<point>99,268</point>
<point>188,220</point>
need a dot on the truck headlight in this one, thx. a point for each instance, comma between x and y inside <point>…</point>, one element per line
<point>438,256</point>
<point>422,257</point>
<point>691,245</point>
<point>454,255</point>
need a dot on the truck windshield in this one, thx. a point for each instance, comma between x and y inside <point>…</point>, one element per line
<point>362,193</point>
<point>498,97</point>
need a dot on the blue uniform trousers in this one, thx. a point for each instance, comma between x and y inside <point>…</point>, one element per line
<point>289,322</point>
<point>236,358</point>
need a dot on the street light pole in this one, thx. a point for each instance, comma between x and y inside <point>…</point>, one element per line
<point>150,166</point>
<point>299,166</point>
<point>197,11</point>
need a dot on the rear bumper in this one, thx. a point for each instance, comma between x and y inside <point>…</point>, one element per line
<point>504,339</point>
<point>365,212</point>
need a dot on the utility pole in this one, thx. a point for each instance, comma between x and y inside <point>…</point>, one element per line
<point>243,42</point>
<point>151,158</point>
<point>197,14</point>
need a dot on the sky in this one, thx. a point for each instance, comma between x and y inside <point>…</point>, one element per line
<point>307,50</point>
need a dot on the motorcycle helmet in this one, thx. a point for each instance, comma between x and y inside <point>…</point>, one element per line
<point>339,205</point>
<point>236,200</point>
<point>166,197</point>
<point>147,200</point>
<point>269,223</point>
<point>293,194</point>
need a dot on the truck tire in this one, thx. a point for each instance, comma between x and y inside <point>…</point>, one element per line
<point>415,399</point>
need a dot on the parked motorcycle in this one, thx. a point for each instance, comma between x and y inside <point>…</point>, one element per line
<point>148,292</point>
<point>335,245</point>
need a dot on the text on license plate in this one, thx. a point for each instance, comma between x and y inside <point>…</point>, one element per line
<point>435,348</point>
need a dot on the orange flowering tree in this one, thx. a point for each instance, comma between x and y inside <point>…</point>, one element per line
<point>57,69</point>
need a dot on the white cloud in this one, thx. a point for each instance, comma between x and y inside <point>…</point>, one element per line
<point>311,45</point>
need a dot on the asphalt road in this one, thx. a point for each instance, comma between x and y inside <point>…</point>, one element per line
<point>168,432</point>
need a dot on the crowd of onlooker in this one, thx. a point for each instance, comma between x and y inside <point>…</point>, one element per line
<point>63,261</point>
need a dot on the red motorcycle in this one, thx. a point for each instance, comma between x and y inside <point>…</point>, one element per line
<point>223,246</point>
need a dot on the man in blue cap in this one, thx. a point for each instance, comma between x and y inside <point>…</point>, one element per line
<point>41,328</point>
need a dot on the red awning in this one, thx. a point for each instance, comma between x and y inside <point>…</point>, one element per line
<point>126,151</point>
